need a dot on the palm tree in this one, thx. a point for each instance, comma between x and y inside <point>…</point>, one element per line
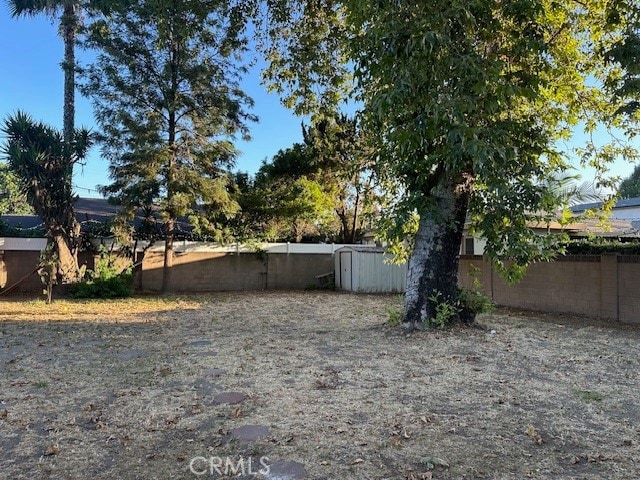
<point>69,24</point>
<point>565,190</point>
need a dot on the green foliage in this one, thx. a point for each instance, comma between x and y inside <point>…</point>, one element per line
<point>446,310</point>
<point>588,395</point>
<point>119,286</point>
<point>12,198</point>
<point>395,315</point>
<point>630,186</point>
<point>623,82</point>
<point>36,157</point>
<point>282,203</point>
<point>475,302</point>
<point>322,188</point>
<point>306,48</point>
<point>340,149</point>
<point>107,281</point>
<point>42,162</point>
<point>49,263</point>
<point>600,246</point>
<point>468,104</point>
<point>166,90</point>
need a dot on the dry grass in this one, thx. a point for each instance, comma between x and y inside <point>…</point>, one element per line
<point>120,390</point>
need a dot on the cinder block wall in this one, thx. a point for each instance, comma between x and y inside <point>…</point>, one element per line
<point>602,286</point>
<point>204,271</point>
<point>296,271</point>
<point>209,271</point>
<point>15,265</point>
<point>629,288</point>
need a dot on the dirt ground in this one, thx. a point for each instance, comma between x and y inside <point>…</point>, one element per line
<point>161,389</point>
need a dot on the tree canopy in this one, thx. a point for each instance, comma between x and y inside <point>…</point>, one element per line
<point>166,92</point>
<point>38,156</point>
<point>467,103</point>
<point>630,186</point>
<point>12,200</point>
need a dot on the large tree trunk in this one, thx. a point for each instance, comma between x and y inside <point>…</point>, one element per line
<point>68,267</point>
<point>432,276</point>
<point>168,257</point>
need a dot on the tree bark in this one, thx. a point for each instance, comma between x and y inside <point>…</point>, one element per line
<point>69,24</point>
<point>67,244</point>
<point>433,265</point>
<point>168,257</point>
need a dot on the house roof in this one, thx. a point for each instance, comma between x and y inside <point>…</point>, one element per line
<point>622,203</point>
<point>89,211</point>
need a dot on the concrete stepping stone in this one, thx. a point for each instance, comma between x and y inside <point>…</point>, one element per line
<point>213,372</point>
<point>246,434</point>
<point>283,470</point>
<point>229,397</point>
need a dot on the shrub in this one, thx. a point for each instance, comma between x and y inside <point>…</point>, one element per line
<point>118,286</point>
<point>475,301</point>
<point>107,281</point>
<point>599,246</point>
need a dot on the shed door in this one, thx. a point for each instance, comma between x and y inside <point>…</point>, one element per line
<point>345,270</point>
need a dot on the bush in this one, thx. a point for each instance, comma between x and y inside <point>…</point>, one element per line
<point>601,246</point>
<point>118,286</point>
<point>471,303</point>
<point>106,282</point>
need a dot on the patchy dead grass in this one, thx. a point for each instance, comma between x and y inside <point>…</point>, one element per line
<point>127,390</point>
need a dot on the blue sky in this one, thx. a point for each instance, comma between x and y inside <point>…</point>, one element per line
<point>31,80</point>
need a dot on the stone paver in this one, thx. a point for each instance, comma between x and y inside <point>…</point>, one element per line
<point>283,470</point>
<point>247,434</point>
<point>229,397</point>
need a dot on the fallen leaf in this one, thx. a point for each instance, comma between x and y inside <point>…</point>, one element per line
<point>534,435</point>
<point>52,450</point>
<point>395,442</point>
<point>4,414</point>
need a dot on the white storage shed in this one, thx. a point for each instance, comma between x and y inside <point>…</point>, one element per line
<point>366,269</point>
